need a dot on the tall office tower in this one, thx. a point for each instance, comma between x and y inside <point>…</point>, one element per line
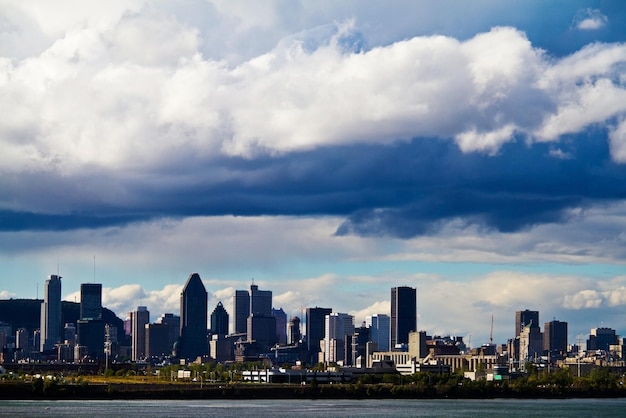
<point>379,325</point>
<point>555,338</point>
<point>262,330</point>
<point>524,318</point>
<point>90,337</point>
<point>339,328</point>
<point>51,313</point>
<point>293,331</point>
<point>601,339</point>
<point>281,325</point>
<point>91,301</point>
<point>260,301</point>
<point>21,339</point>
<point>315,325</point>
<point>69,333</point>
<point>173,325</point>
<point>139,318</point>
<point>157,343</point>
<point>403,314</point>
<point>530,343</point>
<point>193,319</point>
<point>219,320</point>
<point>241,306</point>
<point>362,335</point>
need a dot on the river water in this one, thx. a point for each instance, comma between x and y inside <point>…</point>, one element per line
<point>319,408</point>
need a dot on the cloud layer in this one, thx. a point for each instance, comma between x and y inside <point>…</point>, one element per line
<point>124,119</point>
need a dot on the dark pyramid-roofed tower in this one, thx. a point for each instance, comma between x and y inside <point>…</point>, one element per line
<point>193,319</point>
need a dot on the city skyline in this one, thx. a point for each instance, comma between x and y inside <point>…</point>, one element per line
<point>475,151</point>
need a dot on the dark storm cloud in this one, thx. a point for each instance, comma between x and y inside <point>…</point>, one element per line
<point>402,190</point>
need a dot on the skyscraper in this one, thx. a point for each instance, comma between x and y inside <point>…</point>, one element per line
<point>51,313</point>
<point>140,318</point>
<point>315,323</point>
<point>555,338</point>
<point>339,328</point>
<point>525,318</point>
<point>260,301</point>
<point>253,303</point>
<point>241,306</point>
<point>91,301</point>
<point>293,331</point>
<point>281,325</point>
<point>219,320</point>
<point>193,319</point>
<point>173,325</point>
<point>403,314</point>
<point>379,325</point>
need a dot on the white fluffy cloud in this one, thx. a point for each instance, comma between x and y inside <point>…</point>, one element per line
<point>136,90</point>
<point>590,19</point>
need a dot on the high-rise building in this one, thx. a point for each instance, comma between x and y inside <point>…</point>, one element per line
<point>555,338</point>
<point>294,334</point>
<point>193,319</point>
<point>379,325</point>
<point>260,301</point>
<point>257,303</point>
<point>530,343</point>
<point>359,353</point>
<point>524,318</point>
<point>262,331</point>
<point>601,339</point>
<point>315,323</point>
<point>219,320</point>
<point>157,336</point>
<point>281,325</point>
<point>173,325</point>
<point>140,318</point>
<point>69,333</point>
<point>339,328</point>
<point>241,306</point>
<point>90,336</point>
<point>51,313</point>
<point>91,301</point>
<point>21,339</point>
<point>403,314</point>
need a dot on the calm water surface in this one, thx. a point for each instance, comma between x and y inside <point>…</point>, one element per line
<point>319,408</point>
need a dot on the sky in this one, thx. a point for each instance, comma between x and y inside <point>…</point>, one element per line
<point>325,150</point>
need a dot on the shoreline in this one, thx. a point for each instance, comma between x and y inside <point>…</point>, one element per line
<point>150,391</point>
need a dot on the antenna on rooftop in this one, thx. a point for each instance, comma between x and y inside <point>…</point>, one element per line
<point>491,333</point>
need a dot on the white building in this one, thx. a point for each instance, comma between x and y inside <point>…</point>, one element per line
<point>337,327</point>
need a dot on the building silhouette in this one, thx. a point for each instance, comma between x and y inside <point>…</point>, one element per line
<point>403,315</point>
<point>294,334</point>
<point>173,326</point>
<point>555,338</point>
<point>193,319</point>
<point>525,317</point>
<point>219,320</point>
<point>601,339</point>
<point>260,301</point>
<point>281,325</point>
<point>379,325</point>
<point>338,332</point>
<point>360,338</point>
<point>90,328</point>
<point>157,340</point>
<point>241,306</point>
<point>50,327</point>
<point>315,323</point>
<point>139,318</point>
<point>91,301</point>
